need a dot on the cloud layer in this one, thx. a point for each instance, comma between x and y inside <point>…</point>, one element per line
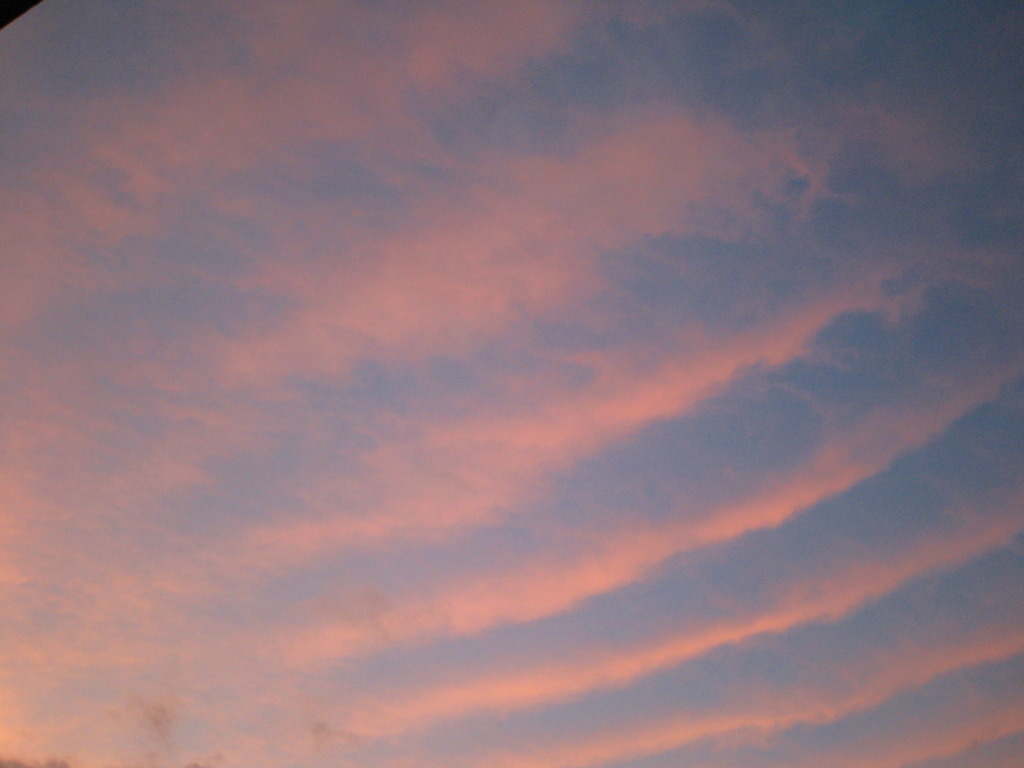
<point>535,385</point>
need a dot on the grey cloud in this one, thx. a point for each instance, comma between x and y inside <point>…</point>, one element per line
<point>158,717</point>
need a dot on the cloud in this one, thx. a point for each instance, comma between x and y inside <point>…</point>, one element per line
<point>993,748</point>
<point>858,418</point>
<point>158,718</point>
<point>858,555</point>
<point>776,682</point>
<point>436,380</point>
<point>66,764</point>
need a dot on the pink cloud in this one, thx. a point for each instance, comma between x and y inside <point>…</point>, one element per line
<point>828,596</point>
<point>878,680</point>
<point>127,543</point>
<point>555,582</point>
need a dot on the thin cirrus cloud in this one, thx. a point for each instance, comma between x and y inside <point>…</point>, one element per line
<point>536,384</point>
<point>808,449</point>
<point>544,663</point>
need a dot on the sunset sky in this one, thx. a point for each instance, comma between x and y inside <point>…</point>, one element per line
<point>512,384</point>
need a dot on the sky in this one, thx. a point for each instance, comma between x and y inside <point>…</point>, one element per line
<point>535,384</point>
